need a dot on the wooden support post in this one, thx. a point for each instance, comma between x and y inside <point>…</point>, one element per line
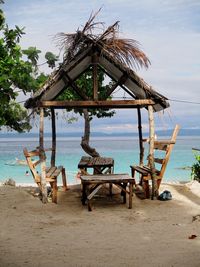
<point>140,136</point>
<point>53,125</point>
<point>43,158</point>
<point>151,150</point>
<point>95,77</point>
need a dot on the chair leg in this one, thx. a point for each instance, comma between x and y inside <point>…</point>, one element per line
<point>130,195</point>
<point>145,185</point>
<point>158,183</point>
<point>110,189</point>
<point>64,180</point>
<point>54,193</point>
<point>123,193</point>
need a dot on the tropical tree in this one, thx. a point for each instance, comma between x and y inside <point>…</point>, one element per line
<point>86,81</point>
<point>17,76</point>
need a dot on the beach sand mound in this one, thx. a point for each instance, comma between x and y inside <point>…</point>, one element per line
<point>153,233</point>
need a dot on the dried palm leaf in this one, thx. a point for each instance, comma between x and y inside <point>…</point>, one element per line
<point>126,51</point>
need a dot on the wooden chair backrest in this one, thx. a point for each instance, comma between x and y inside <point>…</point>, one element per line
<point>167,146</point>
<point>32,164</point>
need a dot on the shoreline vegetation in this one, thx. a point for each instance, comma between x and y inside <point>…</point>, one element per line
<point>66,234</point>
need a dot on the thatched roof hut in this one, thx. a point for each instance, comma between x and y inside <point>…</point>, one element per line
<point>113,55</point>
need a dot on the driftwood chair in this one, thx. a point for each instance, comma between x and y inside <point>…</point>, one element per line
<point>51,172</point>
<point>165,146</point>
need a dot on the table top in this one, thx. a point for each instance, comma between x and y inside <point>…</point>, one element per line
<point>89,162</point>
<point>107,177</point>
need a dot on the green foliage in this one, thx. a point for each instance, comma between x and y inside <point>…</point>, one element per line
<point>14,117</point>
<point>32,54</point>
<point>85,83</point>
<point>16,75</point>
<point>51,59</point>
<point>196,168</point>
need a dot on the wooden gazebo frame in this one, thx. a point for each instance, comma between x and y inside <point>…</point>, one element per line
<point>95,57</point>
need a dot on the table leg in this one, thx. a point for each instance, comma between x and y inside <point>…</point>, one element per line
<point>84,196</point>
<point>89,205</point>
<point>130,194</point>
<point>123,193</point>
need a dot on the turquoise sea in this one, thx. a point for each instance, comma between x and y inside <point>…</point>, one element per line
<point>124,150</point>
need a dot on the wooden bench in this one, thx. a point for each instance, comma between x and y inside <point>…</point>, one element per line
<point>92,183</point>
<point>51,172</point>
<point>146,174</point>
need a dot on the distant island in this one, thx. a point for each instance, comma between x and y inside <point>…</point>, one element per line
<point>183,132</point>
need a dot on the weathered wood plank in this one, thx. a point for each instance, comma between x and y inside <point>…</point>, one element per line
<point>151,151</point>
<point>42,158</point>
<point>94,192</point>
<point>53,126</point>
<point>97,104</point>
<point>57,172</point>
<point>95,76</point>
<point>160,161</point>
<point>50,171</point>
<point>87,162</point>
<point>141,146</point>
<point>124,177</point>
<point>32,153</point>
<point>80,92</point>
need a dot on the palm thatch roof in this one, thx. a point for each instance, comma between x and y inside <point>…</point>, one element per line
<point>114,55</point>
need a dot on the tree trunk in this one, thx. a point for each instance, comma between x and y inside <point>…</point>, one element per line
<point>86,138</point>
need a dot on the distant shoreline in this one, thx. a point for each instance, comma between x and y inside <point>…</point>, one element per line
<point>183,132</point>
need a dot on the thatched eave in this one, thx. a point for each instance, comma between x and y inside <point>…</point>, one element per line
<point>72,68</point>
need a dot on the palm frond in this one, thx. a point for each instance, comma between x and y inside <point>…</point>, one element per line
<point>126,51</point>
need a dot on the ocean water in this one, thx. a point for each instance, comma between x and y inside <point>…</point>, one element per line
<point>124,150</point>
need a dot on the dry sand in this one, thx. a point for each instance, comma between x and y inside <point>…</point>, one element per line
<point>153,233</point>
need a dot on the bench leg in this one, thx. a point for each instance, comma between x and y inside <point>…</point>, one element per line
<point>54,193</point>
<point>130,195</point>
<point>64,180</point>
<point>145,185</point>
<point>89,205</point>
<point>123,193</point>
<point>84,195</point>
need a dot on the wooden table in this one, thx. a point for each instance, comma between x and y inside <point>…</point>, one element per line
<point>92,183</point>
<point>99,165</point>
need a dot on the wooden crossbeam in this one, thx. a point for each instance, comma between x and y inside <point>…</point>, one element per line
<point>122,86</point>
<point>95,76</point>
<point>69,81</point>
<point>96,104</point>
<point>121,80</point>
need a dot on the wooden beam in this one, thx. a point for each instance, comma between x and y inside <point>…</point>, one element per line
<point>95,76</point>
<point>69,81</point>
<point>151,151</point>
<point>42,158</point>
<point>53,126</point>
<point>140,136</point>
<point>121,80</point>
<point>122,86</point>
<point>97,104</point>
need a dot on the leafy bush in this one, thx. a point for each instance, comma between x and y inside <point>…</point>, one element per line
<point>196,168</point>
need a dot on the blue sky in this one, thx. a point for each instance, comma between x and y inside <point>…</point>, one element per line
<point>169,32</point>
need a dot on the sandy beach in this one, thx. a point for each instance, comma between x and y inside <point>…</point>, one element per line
<point>153,233</point>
